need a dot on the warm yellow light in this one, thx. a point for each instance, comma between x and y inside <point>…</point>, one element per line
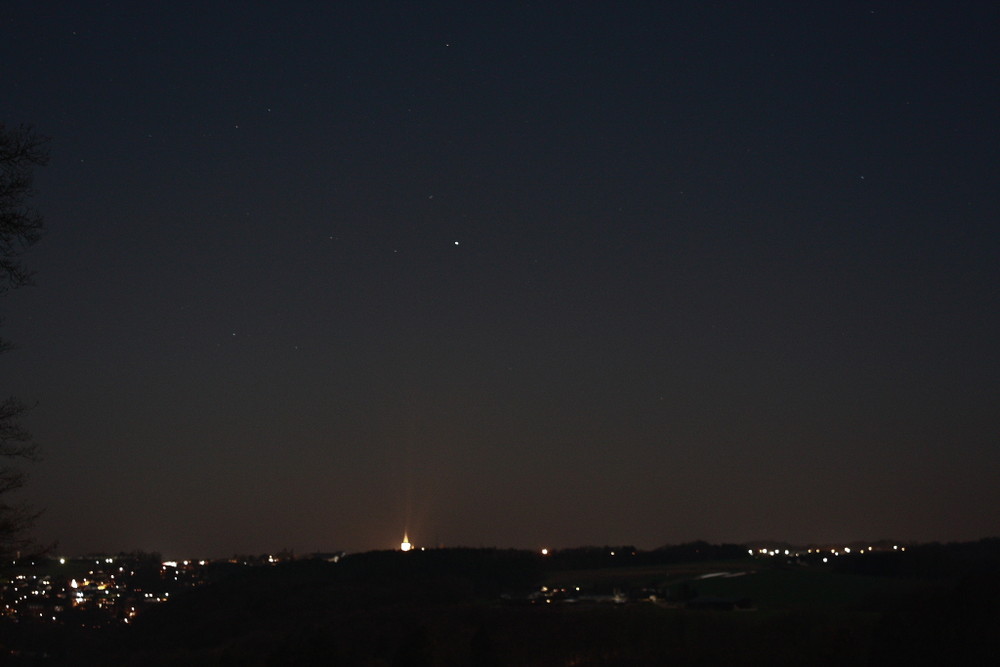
<point>405,544</point>
<point>545,552</point>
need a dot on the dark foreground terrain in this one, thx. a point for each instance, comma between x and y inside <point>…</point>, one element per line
<point>933,604</point>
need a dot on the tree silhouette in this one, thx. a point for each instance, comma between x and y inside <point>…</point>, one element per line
<point>21,150</point>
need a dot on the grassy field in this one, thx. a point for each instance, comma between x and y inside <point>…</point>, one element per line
<point>770,588</point>
<point>644,575</point>
<point>814,589</point>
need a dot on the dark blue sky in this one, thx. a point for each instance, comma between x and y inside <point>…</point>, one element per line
<point>524,274</point>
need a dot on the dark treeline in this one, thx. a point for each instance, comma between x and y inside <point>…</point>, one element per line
<point>622,556</point>
<point>479,572</point>
<point>929,561</point>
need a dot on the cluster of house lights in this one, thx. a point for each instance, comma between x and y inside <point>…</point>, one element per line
<point>818,552</point>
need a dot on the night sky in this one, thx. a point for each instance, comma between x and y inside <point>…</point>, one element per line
<point>517,275</point>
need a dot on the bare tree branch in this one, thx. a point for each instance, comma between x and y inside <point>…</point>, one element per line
<point>21,150</point>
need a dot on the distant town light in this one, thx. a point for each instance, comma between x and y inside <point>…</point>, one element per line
<point>545,552</point>
<point>405,544</point>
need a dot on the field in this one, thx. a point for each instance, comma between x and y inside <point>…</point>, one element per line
<point>486,608</point>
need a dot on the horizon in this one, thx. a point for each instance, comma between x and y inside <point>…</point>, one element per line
<point>760,545</point>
